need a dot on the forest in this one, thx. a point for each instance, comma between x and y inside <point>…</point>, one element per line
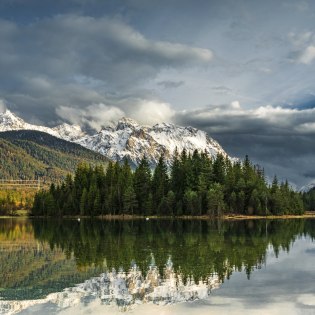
<point>194,185</point>
<point>28,154</point>
<point>13,200</point>
<point>309,200</point>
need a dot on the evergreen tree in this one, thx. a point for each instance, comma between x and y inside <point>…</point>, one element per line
<point>216,204</point>
<point>160,186</point>
<point>130,200</point>
<point>142,186</point>
<point>83,202</point>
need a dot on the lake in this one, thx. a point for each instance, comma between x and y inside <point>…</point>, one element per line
<point>157,267</point>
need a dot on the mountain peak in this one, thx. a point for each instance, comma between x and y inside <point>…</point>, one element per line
<point>69,132</point>
<point>9,121</point>
<point>8,114</point>
<point>310,186</point>
<point>127,139</point>
<point>126,122</point>
<point>132,141</point>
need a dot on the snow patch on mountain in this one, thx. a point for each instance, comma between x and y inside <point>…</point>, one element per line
<point>127,139</point>
<point>69,132</point>
<point>308,187</point>
<point>130,140</point>
<point>124,290</point>
<point>9,122</point>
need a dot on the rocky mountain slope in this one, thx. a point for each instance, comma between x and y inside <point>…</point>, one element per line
<point>127,139</point>
<point>9,121</point>
<point>130,140</point>
<point>28,154</point>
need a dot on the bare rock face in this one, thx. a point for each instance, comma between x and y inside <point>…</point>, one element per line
<point>132,141</point>
<point>9,121</point>
<point>127,139</point>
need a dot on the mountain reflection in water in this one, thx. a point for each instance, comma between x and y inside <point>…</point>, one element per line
<point>124,289</point>
<point>66,262</point>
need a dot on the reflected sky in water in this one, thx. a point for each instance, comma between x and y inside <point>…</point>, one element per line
<point>283,282</point>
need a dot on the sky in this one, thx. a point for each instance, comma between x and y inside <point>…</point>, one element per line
<point>241,70</point>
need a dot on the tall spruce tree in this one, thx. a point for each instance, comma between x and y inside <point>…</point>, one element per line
<point>160,187</point>
<point>142,187</point>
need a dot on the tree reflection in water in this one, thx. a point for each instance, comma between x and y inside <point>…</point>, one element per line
<point>166,261</point>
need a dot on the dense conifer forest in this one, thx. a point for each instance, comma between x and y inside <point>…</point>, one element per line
<point>28,154</point>
<point>309,200</point>
<point>195,185</point>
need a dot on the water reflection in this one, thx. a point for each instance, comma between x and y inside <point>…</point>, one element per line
<point>209,247</point>
<point>171,261</point>
<point>125,289</point>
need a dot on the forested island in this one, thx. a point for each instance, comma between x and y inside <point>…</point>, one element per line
<point>194,185</point>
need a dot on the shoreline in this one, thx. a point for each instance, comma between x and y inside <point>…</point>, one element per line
<point>226,217</point>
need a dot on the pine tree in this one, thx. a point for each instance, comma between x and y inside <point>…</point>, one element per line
<point>142,186</point>
<point>129,200</point>
<point>160,185</point>
<point>219,171</point>
<point>83,202</point>
<point>170,203</point>
<point>216,205</point>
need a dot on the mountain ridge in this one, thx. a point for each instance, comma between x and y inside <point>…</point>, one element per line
<point>127,139</point>
<point>10,122</point>
<point>32,154</point>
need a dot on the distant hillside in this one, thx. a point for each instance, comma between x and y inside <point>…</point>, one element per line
<point>309,199</point>
<point>127,139</point>
<point>28,154</point>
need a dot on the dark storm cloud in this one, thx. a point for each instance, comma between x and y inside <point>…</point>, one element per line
<point>170,84</point>
<point>262,120</point>
<point>78,60</point>
<point>221,89</point>
<point>280,139</point>
<point>91,61</point>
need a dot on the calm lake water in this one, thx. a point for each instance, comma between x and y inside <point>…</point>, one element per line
<point>157,267</point>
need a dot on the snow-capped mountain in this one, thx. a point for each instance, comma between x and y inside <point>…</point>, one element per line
<point>308,187</point>
<point>9,121</point>
<point>124,290</point>
<point>130,140</point>
<point>127,139</point>
<point>69,132</point>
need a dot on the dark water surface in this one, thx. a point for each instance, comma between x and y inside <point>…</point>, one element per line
<point>157,266</point>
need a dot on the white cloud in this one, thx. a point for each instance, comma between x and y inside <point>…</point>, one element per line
<point>236,105</point>
<point>305,128</point>
<point>150,112</point>
<point>81,60</point>
<point>2,105</point>
<point>265,119</point>
<point>300,39</point>
<point>95,115</point>
<point>308,55</point>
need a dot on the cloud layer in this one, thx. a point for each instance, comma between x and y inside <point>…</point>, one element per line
<point>264,120</point>
<point>96,116</point>
<point>280,139</point>
<point>77,61</point>
<point>89,62</point>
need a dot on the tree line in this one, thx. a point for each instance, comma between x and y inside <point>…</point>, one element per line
<point>195,184</point>
<point>210,246</point>
<point>309,200</point>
